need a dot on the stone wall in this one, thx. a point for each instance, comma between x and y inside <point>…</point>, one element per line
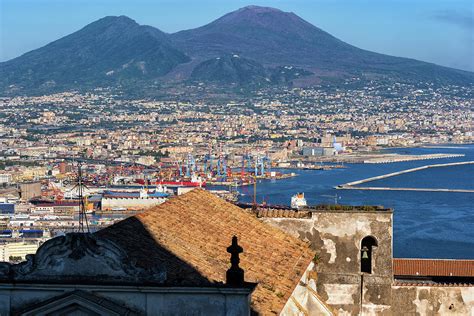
<point>432,300</point>
<point>337,236</point>
<point>305,300</point>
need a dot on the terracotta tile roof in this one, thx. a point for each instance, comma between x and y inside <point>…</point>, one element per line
<point>282,213</point>
<point>189,234</point>
<point>433,267</point>
<point>413,283</point>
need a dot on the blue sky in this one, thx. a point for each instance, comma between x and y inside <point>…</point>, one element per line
<point>438,31</point>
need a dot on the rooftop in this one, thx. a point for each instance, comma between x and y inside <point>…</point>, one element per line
<point>433,267</point>
<point>189,235</point>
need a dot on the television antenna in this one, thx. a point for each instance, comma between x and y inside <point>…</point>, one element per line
<point>83,223</point>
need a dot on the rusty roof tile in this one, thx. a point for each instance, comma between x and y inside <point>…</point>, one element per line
<point>401,283</point>
<point>433,267</point>
<point>189,234</point>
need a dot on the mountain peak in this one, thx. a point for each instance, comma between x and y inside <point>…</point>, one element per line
<point>115,24</point>
<point>113,19</point>
<point>260,31</point>
<point>256,14</point>
<point>111,49</point>
<point>259,9</point>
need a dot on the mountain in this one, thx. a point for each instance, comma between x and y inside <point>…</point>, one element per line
<point>103,52</point>
<point>273,37</point>
<point>230,69</point>
<point>265,34</point>
<point>235,70</point>
<point>273,47</point>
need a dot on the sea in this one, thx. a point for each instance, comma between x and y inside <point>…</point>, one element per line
<point>425,224</point>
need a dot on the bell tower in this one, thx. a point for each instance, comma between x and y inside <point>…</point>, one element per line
<point>354,255</point>
<point>355,250</point>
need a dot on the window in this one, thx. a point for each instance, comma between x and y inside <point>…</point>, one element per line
<point>366,251</point>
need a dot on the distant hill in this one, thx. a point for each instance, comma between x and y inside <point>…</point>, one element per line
<point>104,52</point>
<point>273,47</point>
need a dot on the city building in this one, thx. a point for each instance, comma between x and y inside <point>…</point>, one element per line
<point>17,251</point>
<point>5,178</point>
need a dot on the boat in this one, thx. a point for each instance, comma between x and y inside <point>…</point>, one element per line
<point>298,201</point>
<point>195,181</point>
<point>181,183</point>
<point>142,194</point>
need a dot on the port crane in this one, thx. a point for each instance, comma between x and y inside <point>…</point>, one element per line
<point>53,191</point>
<point>190,165</point>
<point>222,167</point>
<point>260,162</point>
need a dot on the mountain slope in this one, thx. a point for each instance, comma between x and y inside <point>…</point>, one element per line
<point>273,37</point>
<point>230,70</point>
<point>105,51</point>
<point>235,70</point>
<point>274,47</point>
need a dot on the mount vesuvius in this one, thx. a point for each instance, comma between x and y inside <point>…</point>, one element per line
<point>250,46</point>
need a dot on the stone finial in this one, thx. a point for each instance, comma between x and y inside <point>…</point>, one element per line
<point>235,275</point>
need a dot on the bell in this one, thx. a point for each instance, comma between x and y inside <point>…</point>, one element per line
<point>365,254</point>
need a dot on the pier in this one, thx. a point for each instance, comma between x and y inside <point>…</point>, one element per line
<point>403,158</point>
<point>405,189</point>
<point>354,185</point>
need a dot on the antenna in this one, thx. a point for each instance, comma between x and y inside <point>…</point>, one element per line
<point>335,197</point>
<point>82,207</point>
<point>254,205</point>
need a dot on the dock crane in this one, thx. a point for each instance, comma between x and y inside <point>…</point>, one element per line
<point>208,164</point>
<point>246,158</point>
<point>268,161</point>
<point>259,166</point>
<point>190,165</point>
<point>222,168</point>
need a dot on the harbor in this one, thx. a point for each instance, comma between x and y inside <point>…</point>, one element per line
<point>355,185</point>
<point>114,191</point>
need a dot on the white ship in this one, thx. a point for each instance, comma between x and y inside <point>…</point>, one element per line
<point>298,201</point>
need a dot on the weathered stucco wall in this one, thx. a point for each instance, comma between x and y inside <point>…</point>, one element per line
<point>337,236</point>
<point>432,300</point>
<point>304,300</point>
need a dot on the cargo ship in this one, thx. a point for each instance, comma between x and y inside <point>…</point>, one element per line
<point>195,181</point>
<point>298,201</point>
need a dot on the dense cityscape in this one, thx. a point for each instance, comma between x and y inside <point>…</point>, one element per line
<point>130,141</point>
<point>134,166</point>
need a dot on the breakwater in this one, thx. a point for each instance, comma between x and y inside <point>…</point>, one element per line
<point>354,184</point>
<point>405,189</point>
<point>402,158</point>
